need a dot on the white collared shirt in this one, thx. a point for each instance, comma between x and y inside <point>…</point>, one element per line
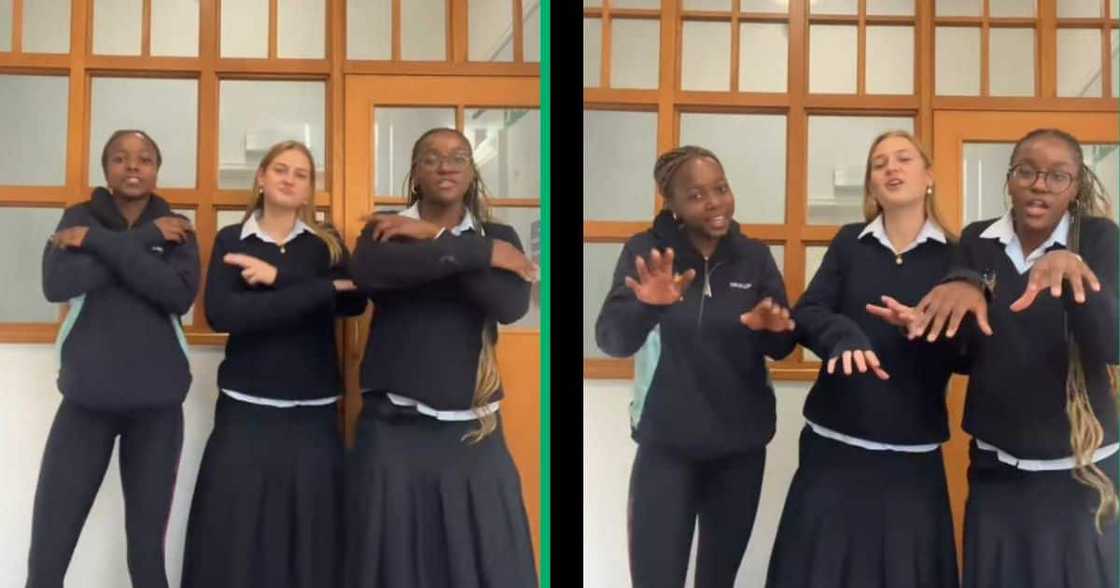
<point>930,230</point>
<point>251,227</point>
<point>870,445</point>
<point>1004,230</point>
<point>467,224</point>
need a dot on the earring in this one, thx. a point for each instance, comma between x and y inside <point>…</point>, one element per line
<point>929,190</point>
<point>260,190</point>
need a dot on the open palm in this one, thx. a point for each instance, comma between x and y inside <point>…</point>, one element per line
<point>656,283</point>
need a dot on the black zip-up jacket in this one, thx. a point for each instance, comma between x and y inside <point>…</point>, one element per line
<point>711,392</point>
<point>432,299</point>
<point>121,346</point>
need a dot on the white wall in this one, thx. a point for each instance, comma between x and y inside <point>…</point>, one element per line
<point>27,377</point>
<point>609,453</point>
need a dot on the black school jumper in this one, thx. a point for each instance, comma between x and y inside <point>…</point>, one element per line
<point>267,507</point>
<point>1036,528</point>
<point>857,517</point>
<point>710,408</point>
<point>426,508</point>
<point>123,372</point>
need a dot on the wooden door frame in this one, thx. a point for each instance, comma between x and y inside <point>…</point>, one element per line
<point>951,130</point>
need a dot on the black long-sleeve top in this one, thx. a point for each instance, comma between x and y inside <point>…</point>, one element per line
<point>710,392</point>
<point>1016,395</point>
<point>121,345</point>
<point>281,337</point>
<point>432,300</point>
<point>831,317</point>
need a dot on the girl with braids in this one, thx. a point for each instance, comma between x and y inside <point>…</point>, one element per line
<point>1041,284</point>
<point>267,503</point>
<point>433,494</point>
<point>128,267</point>
<point>869,504</point>
<point>700,310</point>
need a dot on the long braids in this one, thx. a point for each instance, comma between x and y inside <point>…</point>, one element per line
<point>487,380</point>
<point>1086,433</point>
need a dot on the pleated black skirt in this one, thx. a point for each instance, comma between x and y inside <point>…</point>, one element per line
<point>426,509</point>
<point>267,506</point>
<point>856,518</point>
<point>1028,529</point>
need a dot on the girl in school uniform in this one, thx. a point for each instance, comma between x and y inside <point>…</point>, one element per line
<point>700,304</point>
<point>434,497</point>
<point>267,503</point>
<point>869,504</point>
<point>128,267</point>
<point>1040,282</point>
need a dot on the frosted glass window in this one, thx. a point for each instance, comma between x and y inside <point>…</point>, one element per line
<point>641,4</point>
<point>837,159</point>
<point>506,146</point>
<point>116,26</point>
<point>23,235</point>
<point>229,217</point>
<point>814,255</point>
<point>527,223</point>
<point>1013,8</point>
<point>175,28</point>
<point>706,58</point>
<point>34,123</point>
<point>245,28</point>
<point>619,150</point>
<point>957,61</point>
<point>1115,53</point>
<point>531,30</point>
<point>491,30</point>
<point>369,29</point>
<point>424,30</point>
<point>41,30</point>
<point>833,7</point>
<point>592,52</point>
<point>635,46</point>
<point>832,59</point>
<point>1104,160</point>
<point>984,172</point>
<point>5,25</point>
<point>1079,8</point>
<point>190,213</point>
<point>958,7</point>
<point>1079,63</point>
<point>778,252</point>
<point>763,57</point>
<point>599,260</point>
<point>752,148</point>
<point>166,109</point>
<point>301,29</point>
<point>592,3</point>
<point>719,5</point>
<point>891,7</point>
<point>890,60</point>
<point>1011,62</point>
<point>395,131</point>
<point>781,6</point>
<point>296,110</point>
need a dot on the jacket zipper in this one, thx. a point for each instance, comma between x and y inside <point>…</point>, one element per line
<point>707,289</point>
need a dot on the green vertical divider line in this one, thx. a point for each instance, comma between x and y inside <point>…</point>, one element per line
<point>546,294</point>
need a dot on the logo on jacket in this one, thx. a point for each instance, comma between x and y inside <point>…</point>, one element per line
<point>157,249</point>
<point>741,285</point>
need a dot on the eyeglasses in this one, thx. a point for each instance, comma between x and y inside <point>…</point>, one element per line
<point>457,161</point>
<point>1026,175</point>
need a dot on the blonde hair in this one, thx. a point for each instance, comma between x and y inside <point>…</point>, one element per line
<point>306,213</point>
<point>871,206</point>
<point>1085,431</point>
<point>487,378</point>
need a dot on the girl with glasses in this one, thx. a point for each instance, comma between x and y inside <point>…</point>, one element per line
<point>1038,288</point>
